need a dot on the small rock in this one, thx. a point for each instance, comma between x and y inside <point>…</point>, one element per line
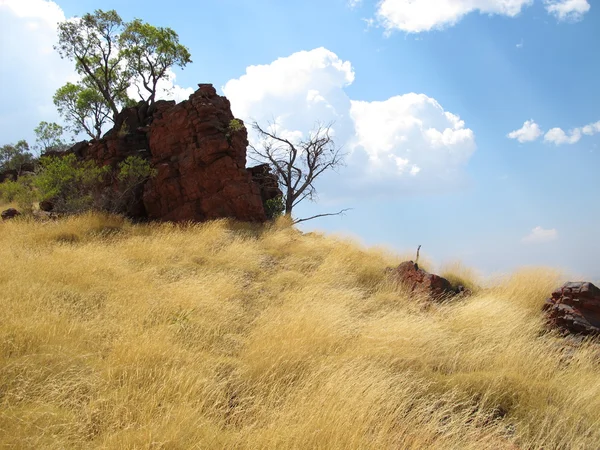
<point>10,213</point>
<point>420,281</point>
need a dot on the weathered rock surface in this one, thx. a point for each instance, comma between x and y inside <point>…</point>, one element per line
<point>420,281</point>
<point>575,308</point>
<point>201,163</point>
<point>199,158</point>
<point>10,213</point>
<point>266,180</point>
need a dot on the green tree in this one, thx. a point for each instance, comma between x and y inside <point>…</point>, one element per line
<point>49,137</point>
<point>150,51</point>
<point>110,55</point>
<point>14,157</point>
<point>83,108</point>
<point>93,44</point>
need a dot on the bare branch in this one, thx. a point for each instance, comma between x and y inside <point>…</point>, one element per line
<point>339,213</point>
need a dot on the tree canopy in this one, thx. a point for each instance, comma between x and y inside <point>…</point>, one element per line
<point>49,137</point>
<point>111,56</point>
<point>14,156</point>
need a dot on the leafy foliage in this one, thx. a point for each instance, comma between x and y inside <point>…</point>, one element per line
<point>70,184</point>
<point>111,55</point>
<point>13,157</point>
<point>49,137</point>
<point>135,170</point>
<point>235,125</point>
<point>83,108</point>
<point>150,51</point>
<point>93,44</point>
<point>274,207</point>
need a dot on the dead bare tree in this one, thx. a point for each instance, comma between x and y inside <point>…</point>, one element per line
<point>298,164</point>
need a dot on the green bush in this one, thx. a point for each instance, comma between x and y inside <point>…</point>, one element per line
<point>274,208</point>
<point>70,184</point>
<point>9,190</point>
<point>132,173</point>
<point>27,194</point>
<point>21,191</point>
<point>135,170</point>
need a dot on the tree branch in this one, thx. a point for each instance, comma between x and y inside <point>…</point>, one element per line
<point>323,215</point>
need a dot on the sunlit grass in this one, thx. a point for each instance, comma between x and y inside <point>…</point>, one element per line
<point>228,335</point>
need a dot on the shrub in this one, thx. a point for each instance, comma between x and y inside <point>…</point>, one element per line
<point>21,191</point>
<point>9,190</point>
<point>70,184</point>
<point>235,125</point>
<point>135,170</point>
<point>274,208</point>
<point>132,173</point>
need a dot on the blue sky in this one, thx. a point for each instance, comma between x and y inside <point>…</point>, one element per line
<point>423,94</point>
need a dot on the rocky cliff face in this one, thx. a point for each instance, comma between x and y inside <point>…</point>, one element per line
<point>199,152</point>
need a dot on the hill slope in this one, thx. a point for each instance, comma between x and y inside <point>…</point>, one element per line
<point>226,335</point>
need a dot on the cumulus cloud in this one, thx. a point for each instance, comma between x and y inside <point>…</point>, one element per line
<point>30,69</point>
<point>411,134</point>
<point>567,10</point>
<point>558,137</point>
<point>416,16</point>
<point>530,131</point>
<point>540,235</point>
<point>425,15</point>
<point>407,139</point>
<point>591,129</point>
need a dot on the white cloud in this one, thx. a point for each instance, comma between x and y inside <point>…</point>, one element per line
<point>424,15</point>
<point>530,131</point>
<point>521,44</point>
<point>415,129</point>
<point>539,235</point>
<point>567,10</point>
<point>406,140</point>
<point>416,16</point>
<point>558,137</point>
<point>591,129</point>
<point>30,69</point>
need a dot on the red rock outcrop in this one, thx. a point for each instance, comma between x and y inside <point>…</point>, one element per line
<point>266,180</point>
<point>201,163</point>
<point>420,281</point>
<point>199,153</point>
<point>574,308</point>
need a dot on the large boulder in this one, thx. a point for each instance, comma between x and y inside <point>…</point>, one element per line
<point>201,162</point>
<point>419,281</point>
<point>574,308</point>
<point>9,213</point>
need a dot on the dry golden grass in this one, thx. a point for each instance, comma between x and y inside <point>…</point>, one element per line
<point>225,335</point>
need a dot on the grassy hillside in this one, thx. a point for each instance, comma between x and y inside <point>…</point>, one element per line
<point>222,335</point>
